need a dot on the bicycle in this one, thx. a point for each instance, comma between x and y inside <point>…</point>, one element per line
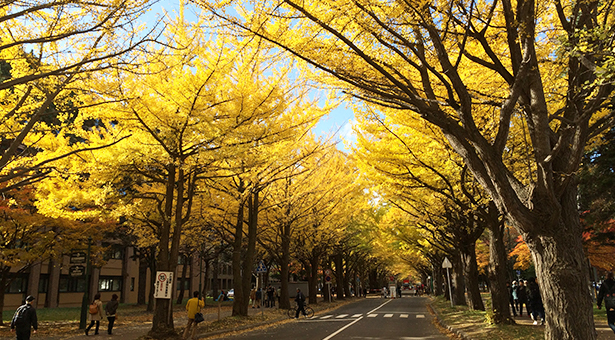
<point>309,312</point>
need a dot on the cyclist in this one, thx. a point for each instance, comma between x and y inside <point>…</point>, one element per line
<point>300,300</point>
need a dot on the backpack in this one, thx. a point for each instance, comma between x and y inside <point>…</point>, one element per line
<point>609,298</point>
<point>20,315</point>
<point>94,308</point>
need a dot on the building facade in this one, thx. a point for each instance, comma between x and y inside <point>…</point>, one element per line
<point>52,284</point>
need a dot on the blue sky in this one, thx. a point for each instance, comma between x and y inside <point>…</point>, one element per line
<point>338,122</point>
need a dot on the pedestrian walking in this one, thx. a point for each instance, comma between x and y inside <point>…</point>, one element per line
<point>259,296</point>
<point>607,294</point>
<point>270,296</point>
<point>514,288</point>
<point>522,298</point>
<point>511,301</point>
<point>300,300</point>
<point>94,314</point>
<point>253,297</point>
<point>193,306</point>
<point>110,310</point>
<point>24,320</point>
<point>535,302</point>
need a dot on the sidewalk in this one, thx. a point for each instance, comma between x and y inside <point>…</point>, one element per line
<point>131,330</point>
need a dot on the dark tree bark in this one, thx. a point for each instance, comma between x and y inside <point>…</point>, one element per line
<point>497,273</point>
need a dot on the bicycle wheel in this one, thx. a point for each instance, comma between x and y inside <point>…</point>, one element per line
<point>309,312</point>
<point>292,312</point>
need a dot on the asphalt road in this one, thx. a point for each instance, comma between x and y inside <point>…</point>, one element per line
<point>367,319</point>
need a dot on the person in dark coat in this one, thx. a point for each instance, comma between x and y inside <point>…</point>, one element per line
<point>24,320</point>
<point>607,289</point>
<point>300,300</point>
<point>522,298</point>
<point>535,302</point>
<point>110,310</point>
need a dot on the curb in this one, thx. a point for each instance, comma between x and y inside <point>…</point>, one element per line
<point>441,323</point>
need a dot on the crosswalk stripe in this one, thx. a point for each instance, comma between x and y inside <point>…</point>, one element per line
<point>420,316</point>
<point>405,316</point>
<point>372,315</point>
<point>388,315</point>
<point>341,316</point>
<point>326,316</point>
<point>357,315</point>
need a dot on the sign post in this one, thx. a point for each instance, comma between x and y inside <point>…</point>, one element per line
<point>77,258</point>
<point>447,264</point>
<point>261,269</point>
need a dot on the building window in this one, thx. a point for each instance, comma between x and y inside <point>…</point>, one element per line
<point>115,252</point>
<point>69,284</point>
<point>110,283</point>
<point>18,285</point>
<point>186,284</point>
<point>43,283</point>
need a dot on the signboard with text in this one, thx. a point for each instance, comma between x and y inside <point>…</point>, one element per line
<point>163,285</point>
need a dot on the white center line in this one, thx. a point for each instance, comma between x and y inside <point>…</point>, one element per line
<point>355,321</point>
<point>420,316</point>
<point>372,315</point>
<point>404,316</point>
<point>388,315</point>
<point>327,316</point>
<point>341,316</point>
<point>356,315</point>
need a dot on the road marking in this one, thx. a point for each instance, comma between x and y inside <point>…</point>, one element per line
<point>420,316</point>
<point>404,316</point>
<point>356,315</point>
<point>341,316</point>
<point>326,316</point>
<point>388,315</point>
<point>355,321</point>
<point>372,315</point>
<point>341,329</point>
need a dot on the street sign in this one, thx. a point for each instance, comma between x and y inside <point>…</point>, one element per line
<point>76,271</point>
<point>447,263</point>
<point>327,272</point>
<point>163,285</point>
<point>261,268</point>
<point>327,279</point>
<point>77,257</point>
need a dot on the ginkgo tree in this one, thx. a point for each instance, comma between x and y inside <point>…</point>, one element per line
<point>472,69</point>
<point>47,51</point>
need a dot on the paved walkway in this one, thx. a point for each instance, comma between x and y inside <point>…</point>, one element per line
<point>133,332</point>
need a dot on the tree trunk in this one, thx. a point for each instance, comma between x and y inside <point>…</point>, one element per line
<point>313,279</point>
<point>497,274</point>
<point>240,303</point>
<point>249,258</point>
<point>142,284</point>
<point>339,273</point>
<point>437,273</point>
<point>284,267</point>
<point>215,276</point>
<point>563,278</point>
<point>182,281</point>
<point>459,289</point>
<point>151,302</point>
<point>470,274</point>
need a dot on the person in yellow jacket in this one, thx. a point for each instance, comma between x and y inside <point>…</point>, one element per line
<point>193,306</point>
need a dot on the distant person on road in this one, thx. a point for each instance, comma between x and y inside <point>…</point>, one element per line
<point>259,297</point>
<point>110,310</point>
<point>300,300</point>
<point>193,306</point>
<point>522,298</point>
<point>94,314</point>
<point>270,296</point>
<point>607,294</point>
<point>24,320</point>
<point>253,297</point>
<point>535,301</point>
